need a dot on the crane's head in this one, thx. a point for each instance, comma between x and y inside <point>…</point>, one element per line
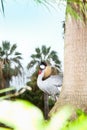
<point>46,68</point>
<point>42,66</point>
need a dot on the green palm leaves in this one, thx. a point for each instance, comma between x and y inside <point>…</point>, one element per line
<point>44,54</point>
<point>77,9</point>
<point>2,5</point>
<point>10,60</point>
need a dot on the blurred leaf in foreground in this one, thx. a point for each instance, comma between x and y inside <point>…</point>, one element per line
<point>20,115</point>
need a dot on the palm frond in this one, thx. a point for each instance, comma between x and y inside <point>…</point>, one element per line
<point>17,61</point>
<point>2,53</point>
<point>48,49</point>
<point>2,5</point>
<point>17,53</point>
<point>44,50</point>
<point>5,45</point>
<point>14,46</point>
<point>37,50</point>
<point>77,9</point>
<point>52,55</point>
<point>18,57</point>
<point>38,56</point>
<point>33,56</point>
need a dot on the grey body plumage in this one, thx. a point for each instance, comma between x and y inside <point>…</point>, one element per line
<point>51,85</point>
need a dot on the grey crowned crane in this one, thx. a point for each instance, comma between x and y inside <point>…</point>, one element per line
<point>51,84</point>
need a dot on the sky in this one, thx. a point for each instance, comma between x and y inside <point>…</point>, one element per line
<point>32,25</point>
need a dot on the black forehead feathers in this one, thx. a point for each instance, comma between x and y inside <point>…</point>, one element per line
<point>43,63</point>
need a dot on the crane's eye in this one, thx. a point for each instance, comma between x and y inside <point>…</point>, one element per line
<point>42,67</point>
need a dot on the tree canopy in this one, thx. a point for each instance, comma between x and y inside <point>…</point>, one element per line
<point>10,60</point>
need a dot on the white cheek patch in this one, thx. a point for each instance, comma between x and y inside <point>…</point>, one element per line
<point>42,67</point>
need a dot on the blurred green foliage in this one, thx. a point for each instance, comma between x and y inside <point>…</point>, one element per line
<point>80,123</point>
<point>22,115</point>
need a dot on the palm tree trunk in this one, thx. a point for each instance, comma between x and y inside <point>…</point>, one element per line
<point>7,86</point>
<point>7,83</point>
<point>74,90</point>
<point>2,80</point>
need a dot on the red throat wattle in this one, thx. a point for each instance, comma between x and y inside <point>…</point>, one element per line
<point>40,71</point>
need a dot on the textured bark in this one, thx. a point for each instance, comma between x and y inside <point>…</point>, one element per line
<point>2,80</point>
<point>74,90</point>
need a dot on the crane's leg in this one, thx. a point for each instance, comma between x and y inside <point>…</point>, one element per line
<point>46,105</point>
